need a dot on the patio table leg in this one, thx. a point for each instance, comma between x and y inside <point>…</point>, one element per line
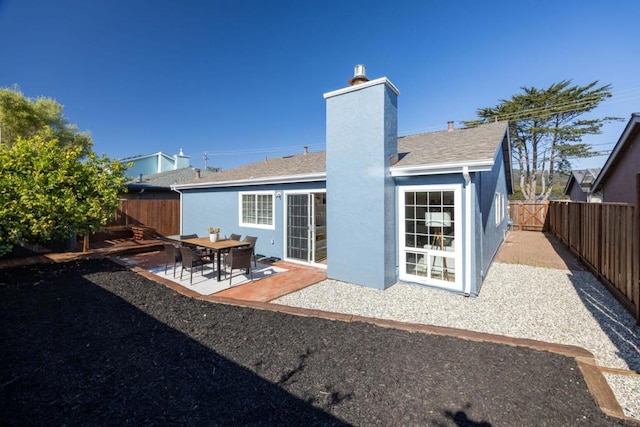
<point>219,276</point>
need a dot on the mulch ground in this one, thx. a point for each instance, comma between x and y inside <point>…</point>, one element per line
<point>90,342</point>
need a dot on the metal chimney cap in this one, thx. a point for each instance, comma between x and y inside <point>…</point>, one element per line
<point>359,75</point>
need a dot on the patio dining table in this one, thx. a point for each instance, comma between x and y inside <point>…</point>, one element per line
<point>218,247</point>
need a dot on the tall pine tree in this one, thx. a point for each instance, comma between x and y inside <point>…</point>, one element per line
<point>546,130</point>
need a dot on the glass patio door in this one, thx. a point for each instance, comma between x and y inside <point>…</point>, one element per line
<point>306,227</point>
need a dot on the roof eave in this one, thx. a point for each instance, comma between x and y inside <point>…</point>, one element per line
<point>144,156</point>
<point>505,146</point>
<point>290,179</point>
<point>567,187</point>
<point>443,168</point>
<point>628,130</point>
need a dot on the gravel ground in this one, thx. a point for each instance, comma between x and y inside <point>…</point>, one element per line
<point>560,306</point>
<point>92,343</point>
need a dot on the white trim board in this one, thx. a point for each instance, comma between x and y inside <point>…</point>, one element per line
<point>290,179</point>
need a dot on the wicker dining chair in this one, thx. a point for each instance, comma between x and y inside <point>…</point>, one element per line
<point>192,260</point>
<point>234,237</point>
<point>173,256</point>
<point>188,236</point>
<point>199,249</point>
<point>252,242</point>
<point>239,258</point>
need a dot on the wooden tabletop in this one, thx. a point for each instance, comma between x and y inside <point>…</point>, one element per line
<point>218,245</point>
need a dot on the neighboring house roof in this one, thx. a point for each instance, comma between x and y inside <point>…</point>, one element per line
<point>144,156</point>
<point>154,163</point>
<point>164,180</point>
<point>435,152</point>
<point>583,177</point>
<point>630,131</point>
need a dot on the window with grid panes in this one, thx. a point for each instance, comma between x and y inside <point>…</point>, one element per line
<point>430,251</point>
<point>256,209</point>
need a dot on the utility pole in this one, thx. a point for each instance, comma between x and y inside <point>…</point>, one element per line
<point>205,157</point>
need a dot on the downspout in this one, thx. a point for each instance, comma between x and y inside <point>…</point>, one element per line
<point>467,231</point>
<point>173,188</point>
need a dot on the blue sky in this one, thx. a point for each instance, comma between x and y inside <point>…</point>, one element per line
<point>241,80</point>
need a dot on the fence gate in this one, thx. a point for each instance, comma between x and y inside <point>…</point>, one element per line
<point>529,216</point>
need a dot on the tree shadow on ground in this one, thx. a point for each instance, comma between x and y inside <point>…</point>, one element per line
<point>74,353</point>
<point>613,318</point>
<point>571,261</point>
<point>91,342</point>
<point>461,419</point>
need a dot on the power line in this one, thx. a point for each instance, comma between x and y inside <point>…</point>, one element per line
<point>620,96</point>
<point>561,107</point>
<point>546,159</point>
<point>265,150</point>
<point>630,94</point>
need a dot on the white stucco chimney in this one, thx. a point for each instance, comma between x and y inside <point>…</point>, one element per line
<point>450,127</point>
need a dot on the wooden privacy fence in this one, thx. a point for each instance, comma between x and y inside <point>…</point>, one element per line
<point>605,236</point>
<point>529,216</point>
<point>161,215</point>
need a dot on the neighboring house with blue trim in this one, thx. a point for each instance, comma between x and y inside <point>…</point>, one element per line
<point>147,164</point>
<point>579,185</point>
<point>375,208</point>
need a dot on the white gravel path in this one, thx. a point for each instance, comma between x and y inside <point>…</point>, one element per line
<point>559,306</point>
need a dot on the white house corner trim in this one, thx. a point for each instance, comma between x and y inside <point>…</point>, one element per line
<point>467,232</point>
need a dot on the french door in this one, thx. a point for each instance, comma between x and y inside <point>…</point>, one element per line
<point>306,227</point>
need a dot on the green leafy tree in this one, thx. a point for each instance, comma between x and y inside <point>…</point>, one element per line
<point>52,188</point>
<point>22,117</point>
<point>546,130</point>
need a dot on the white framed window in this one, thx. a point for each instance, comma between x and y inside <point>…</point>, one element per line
<point>430,240</point>
<point>256,209</point>
<point>499,206</point>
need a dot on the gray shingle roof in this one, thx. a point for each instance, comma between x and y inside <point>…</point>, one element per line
<point>457,146</point>
<point>167,179</point>
<point>276,167</point>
